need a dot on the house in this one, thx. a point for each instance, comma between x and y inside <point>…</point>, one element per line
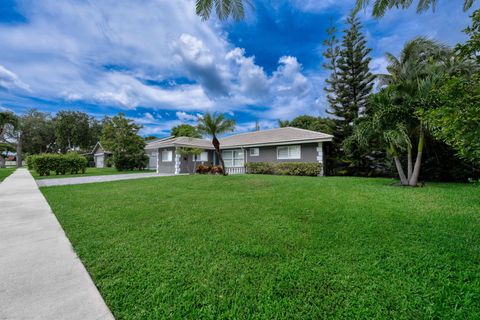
<point>100,156</point>
<point>275,145</point>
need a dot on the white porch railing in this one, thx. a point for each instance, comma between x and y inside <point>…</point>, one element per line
<point>235,170</point>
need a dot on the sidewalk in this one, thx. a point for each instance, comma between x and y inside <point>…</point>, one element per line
<point>40,275</point>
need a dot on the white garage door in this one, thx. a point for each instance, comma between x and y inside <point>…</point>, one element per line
<point>99,161</point>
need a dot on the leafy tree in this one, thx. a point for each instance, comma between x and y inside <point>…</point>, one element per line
<point>453,115</point>
<point>471,48</point>
<point>120,136</point>
<point>213,125</point>
<point>8,123</point>
<point>76,130</point>
<point>393,118</point>
<point>307,122</point>
<point>71,130</point>
<point>223,8</point>
<point>38,132</point>
<point>185,130</point>
<point>150,138</point>
<point>381,6</point>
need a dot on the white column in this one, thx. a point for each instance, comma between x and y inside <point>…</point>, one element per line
<point>320,157</point>
<point>177,162</point>
<point>158,160</point>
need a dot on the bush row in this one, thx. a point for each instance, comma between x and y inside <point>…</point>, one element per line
<point>203,169</point>
<point>44,164</point>
<point>285,168</point>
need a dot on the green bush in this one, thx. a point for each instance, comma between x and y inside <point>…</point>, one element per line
<point>298,168</point>
<point>44,164</point>
<point>124,161</point>
<point>285,168</point>
<point>260,167</point>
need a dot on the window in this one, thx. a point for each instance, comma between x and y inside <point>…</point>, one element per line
<point>202,156</point>
<point>233,158</point>
<point>288,152</point>
<point>167,156</point>
<point>254,152</point>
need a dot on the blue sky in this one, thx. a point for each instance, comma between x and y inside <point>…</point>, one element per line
<point>161,65</point>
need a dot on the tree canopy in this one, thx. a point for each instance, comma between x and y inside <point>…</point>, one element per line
<point>380,7</point>
<point>185,130</point>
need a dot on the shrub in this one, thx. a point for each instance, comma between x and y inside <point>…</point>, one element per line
<point>216,170</point>
<point>285,168</point>
<point>260,167</point>
<point>203,169</point>
<point>298,168</point>
<point>44,164</point>
<point>124,161</point>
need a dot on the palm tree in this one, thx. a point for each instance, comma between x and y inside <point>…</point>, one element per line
<point>381,6</point>
<point>223,8</point>
<point>214,125</point>
<point>393,116</point>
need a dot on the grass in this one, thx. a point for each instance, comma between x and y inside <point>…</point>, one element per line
<point>5,172</point>
<point>272,247</point>
<point>89,172</point>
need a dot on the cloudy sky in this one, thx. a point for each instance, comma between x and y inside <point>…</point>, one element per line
<point>157,62</point>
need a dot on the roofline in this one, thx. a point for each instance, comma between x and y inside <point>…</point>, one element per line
<point>159,139</point>
<point>98,144</point>
<point>277,143</point>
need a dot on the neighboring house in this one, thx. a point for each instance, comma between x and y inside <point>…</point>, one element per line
<point>275,145</point>
<point>100,156</point>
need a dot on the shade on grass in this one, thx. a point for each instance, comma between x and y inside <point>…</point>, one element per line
<point>275,247</point>
<point>90,172</point>
<point>5,172</point>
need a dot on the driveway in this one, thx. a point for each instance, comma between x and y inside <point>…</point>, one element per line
<point>41,277</point>
<point>93,179</point>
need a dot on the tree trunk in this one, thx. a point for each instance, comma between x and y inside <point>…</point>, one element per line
<point>19,151</point>
<point>416,169</point>
<point>401,174</point>
<point>409,173</point>
<point>2,161</point>
<point>216,145</point>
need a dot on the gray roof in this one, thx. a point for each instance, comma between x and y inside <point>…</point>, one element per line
<point>285,135</point>
<point>278,136</point>
<point>180,142</point>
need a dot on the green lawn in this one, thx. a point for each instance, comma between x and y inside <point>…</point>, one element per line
<point>5,172</point>
<point>273,247</point>
<point>90,172</point>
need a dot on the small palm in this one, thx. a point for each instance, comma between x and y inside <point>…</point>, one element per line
<point>215,124</point>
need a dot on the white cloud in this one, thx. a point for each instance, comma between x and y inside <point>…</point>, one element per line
<point>10,81</point>
<point>109,52</point>
<point>186,117</point>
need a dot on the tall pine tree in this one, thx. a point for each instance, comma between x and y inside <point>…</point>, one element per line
<point>348,86</point>
<point>352,80</point>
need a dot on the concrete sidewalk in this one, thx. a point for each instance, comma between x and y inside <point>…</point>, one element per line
<point>40,275</point>
<point>93,179</point>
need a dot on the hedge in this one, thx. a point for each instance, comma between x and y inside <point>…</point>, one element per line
<point>128,161</point>
<point>285,168</point>
<point>44,164</point>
